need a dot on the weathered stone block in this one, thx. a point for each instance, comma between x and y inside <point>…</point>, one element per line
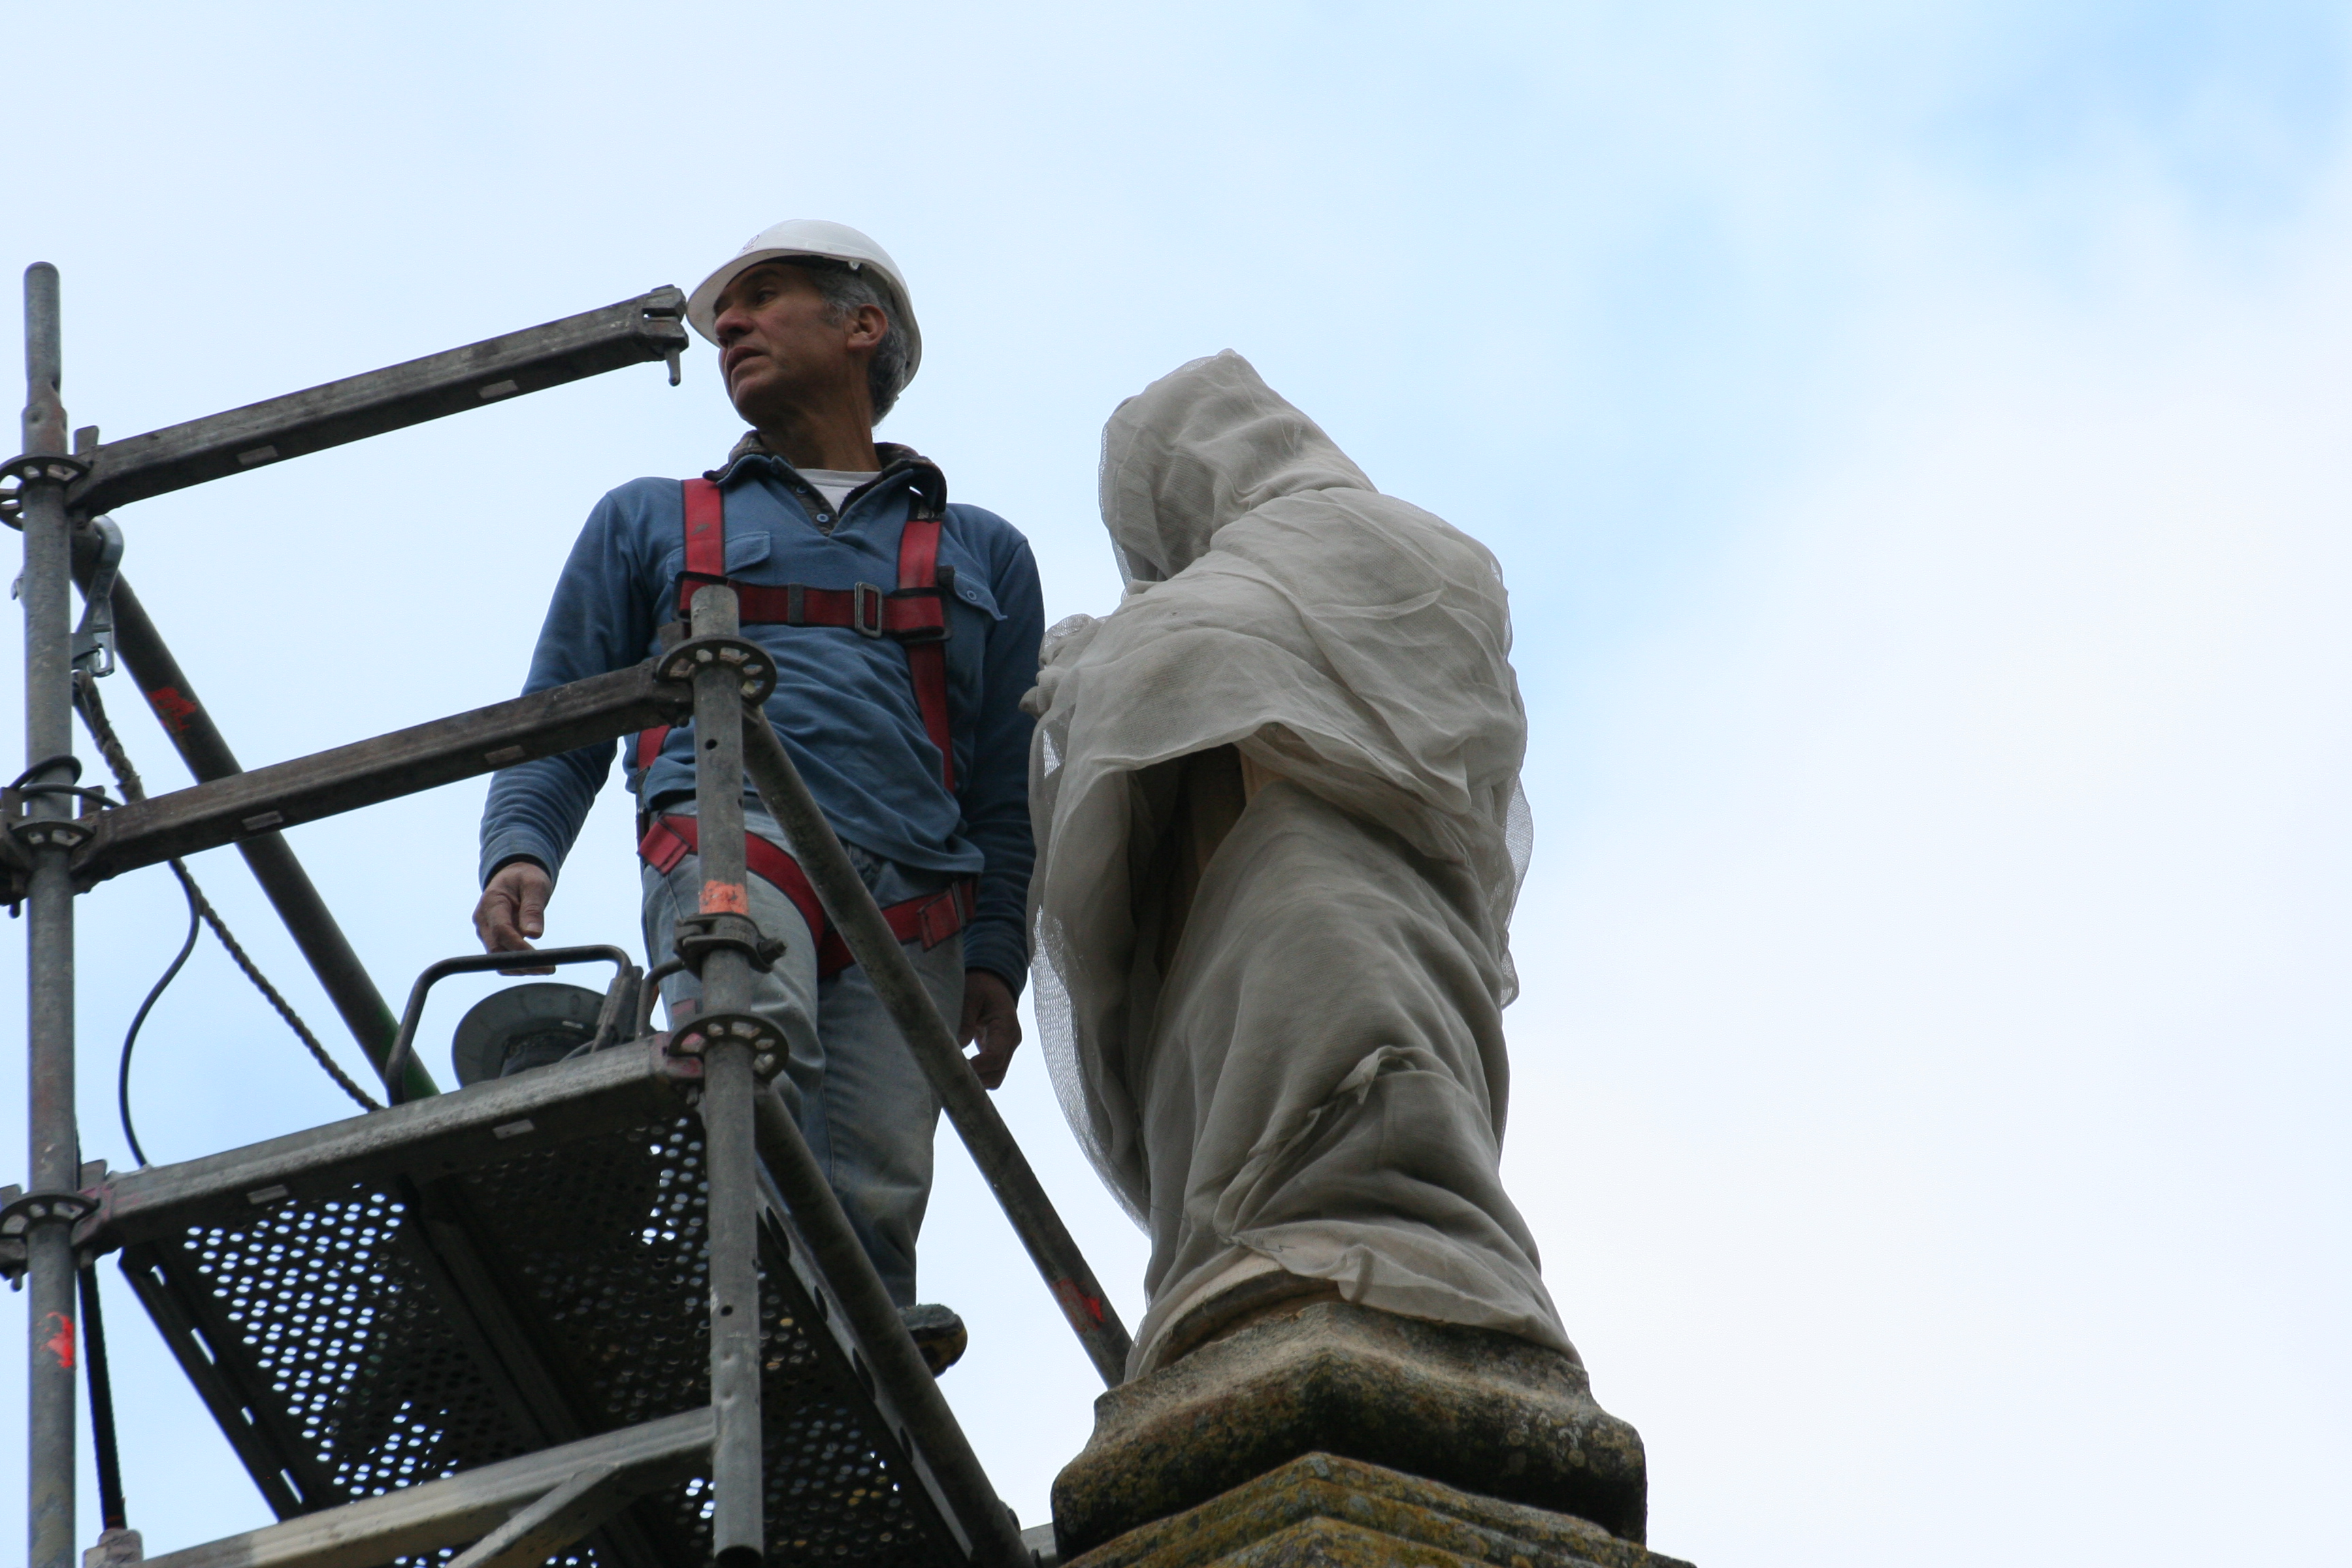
<point>1320,1512</point>
<point>1467,1407</point>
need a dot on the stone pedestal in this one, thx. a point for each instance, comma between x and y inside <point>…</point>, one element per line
<point>1490,1416</point>
<point>1320,1512</point>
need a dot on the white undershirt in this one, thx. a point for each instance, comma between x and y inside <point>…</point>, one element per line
<point>834,484</point>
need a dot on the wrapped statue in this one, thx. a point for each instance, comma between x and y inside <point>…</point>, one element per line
<point>1280,832</point>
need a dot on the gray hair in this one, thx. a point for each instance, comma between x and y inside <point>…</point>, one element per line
<point>844,291</point>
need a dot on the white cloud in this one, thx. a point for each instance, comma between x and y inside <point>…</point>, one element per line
<point>1914,438</point>
<point>1944,980</point>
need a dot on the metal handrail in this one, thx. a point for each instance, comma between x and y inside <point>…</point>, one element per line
<point>404,1043</point>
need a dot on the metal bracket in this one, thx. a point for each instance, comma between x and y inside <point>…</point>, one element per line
<point>699,936</point>
<point>93,640</point>
<point>68,832</point>
<point>668,305</point>
<point>71,831</point>
<point>22,1212</point>
<point>29,466</point>
<point>16,873</point>
<point>746,657</point>
<point>767,1042</point>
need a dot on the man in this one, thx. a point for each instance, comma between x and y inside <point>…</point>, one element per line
<point>914,747</point>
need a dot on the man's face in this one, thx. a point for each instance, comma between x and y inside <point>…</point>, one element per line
<point>777,351</point>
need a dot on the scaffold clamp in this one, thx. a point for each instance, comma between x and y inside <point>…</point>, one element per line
<point>22,1211</point>
<point>767,1042</point>
<point>745,657</point>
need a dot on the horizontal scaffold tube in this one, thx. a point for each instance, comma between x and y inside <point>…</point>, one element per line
<point>492,370</point>
<point>368,773</point>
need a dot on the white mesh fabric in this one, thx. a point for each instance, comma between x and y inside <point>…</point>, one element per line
<point>1356,647</point>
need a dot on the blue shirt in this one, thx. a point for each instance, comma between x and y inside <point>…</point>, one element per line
<point>844,704</point>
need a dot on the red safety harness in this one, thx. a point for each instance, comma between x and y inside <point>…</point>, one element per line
<point>914,615</point>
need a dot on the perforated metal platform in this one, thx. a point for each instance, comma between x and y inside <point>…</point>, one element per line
<point>401,1297</point>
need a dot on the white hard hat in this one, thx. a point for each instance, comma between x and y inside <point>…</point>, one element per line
<point>813,236</point>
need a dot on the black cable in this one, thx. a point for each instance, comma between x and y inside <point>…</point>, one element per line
<point>72,763</point>
<point>154,993</point>
<point>200,909</point>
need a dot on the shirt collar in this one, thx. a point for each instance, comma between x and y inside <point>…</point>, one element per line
<point>751,447</point>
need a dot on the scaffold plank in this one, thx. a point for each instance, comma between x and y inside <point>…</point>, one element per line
<point>444,1287</point>
<point>432,1515</point>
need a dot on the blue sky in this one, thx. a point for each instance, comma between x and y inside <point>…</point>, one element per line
<point>1912,434</point>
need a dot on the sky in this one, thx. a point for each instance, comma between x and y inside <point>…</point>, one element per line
<point>1912,436</point>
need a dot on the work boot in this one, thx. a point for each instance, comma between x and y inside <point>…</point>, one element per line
<point>938,1332</point>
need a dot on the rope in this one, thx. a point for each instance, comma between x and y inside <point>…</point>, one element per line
<point>118,762</point>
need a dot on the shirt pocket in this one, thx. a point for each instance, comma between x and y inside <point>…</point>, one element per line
<point>744,550</point>
<point>747,549</point>
<point>972,585</point>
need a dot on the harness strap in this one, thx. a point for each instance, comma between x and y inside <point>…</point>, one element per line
<point>915,613</point>
<point>932,917</point>
<point>705,533</point>
<point>706,560</point>
<point>927,662</point>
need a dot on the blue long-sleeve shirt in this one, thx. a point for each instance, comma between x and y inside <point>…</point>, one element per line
<point>844,704</point>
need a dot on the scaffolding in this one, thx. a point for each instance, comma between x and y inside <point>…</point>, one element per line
<point>608,1312</point>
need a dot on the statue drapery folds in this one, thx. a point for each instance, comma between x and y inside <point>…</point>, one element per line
<point>1279,834</point>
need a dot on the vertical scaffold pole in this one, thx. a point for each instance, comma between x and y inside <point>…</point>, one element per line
<point>49,915</point>
<point>738,1530</point>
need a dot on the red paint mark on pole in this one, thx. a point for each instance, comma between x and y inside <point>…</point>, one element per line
<point>725,898</point>
<point>172,708</point>
<point>1083,1311</point>
<point>61,1343</point>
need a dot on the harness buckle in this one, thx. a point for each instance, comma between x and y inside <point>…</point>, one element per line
<point>866,610</point>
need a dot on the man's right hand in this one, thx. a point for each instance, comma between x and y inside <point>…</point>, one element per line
<point>513,911</point>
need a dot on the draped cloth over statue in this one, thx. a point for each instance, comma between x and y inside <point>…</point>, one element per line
<point>1279,836</point>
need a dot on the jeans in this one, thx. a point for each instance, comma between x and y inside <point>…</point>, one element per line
<point>863,1104</point>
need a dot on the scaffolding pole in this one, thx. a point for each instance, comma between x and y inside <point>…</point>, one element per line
<point>46,592</point>
<point>48,851</point>
<point>738,1528</point>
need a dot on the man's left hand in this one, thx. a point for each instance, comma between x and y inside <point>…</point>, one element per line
<point>993,1020</point>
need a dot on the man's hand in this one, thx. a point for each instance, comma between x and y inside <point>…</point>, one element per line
<point>514,909</point>
<point>993,1020</point>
